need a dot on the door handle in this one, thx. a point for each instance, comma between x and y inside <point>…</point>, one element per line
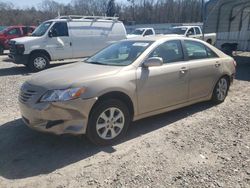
<point>183,70</point>
<point>217,64</point>
<point>70,43</point>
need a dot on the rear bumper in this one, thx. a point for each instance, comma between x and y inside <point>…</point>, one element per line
<point>69,117</point>
<point>19,59</point>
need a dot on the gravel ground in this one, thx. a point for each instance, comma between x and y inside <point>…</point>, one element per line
<point>199,146</point>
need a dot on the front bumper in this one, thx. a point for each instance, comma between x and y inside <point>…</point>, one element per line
<point>19,59</point>
<point>70,117</point>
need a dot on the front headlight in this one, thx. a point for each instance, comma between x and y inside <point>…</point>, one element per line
<point>62,94</point>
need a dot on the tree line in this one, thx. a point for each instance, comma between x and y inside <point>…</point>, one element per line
<point>130,11</point>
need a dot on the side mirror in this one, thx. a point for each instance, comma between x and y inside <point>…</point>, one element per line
<point>52,33</point>
<point>153,62</point>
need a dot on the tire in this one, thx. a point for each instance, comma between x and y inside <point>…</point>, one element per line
<point>38,62</point>
<point>102,130</point>
<point>1,50</point>
<point>221,90</point>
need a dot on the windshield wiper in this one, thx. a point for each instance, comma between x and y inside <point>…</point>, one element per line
<point>95,62</point>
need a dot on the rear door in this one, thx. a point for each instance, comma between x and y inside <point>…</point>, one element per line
<point>59,44</point>
<point>204,68</point>
<point>166,85</point>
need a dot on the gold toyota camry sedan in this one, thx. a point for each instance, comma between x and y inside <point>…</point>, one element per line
<point>125,82</point>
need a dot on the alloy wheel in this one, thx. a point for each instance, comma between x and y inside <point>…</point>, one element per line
<point>110,123</point>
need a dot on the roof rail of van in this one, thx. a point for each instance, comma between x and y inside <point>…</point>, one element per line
<point>71,17</point>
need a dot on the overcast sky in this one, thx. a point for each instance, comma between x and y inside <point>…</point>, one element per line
<point>29,3</point>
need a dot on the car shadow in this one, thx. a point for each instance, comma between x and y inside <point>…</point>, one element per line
<point>243,68</point>
<point>22,70</point>
<point>27,153</point>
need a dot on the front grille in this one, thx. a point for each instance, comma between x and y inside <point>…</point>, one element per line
<point>25,96</point>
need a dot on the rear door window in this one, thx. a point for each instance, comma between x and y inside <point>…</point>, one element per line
<point>197,50</point>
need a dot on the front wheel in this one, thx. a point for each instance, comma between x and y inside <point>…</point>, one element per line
<point>108,122</point>
<point>221,90</point>
<point>38,62</point>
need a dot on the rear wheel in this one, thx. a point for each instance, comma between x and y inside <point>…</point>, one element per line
<point>38,62</point>
<point>108,122</point>
<point>221,90</point>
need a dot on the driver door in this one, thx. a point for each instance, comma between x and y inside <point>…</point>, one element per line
<point>59,42</point>
<point>163,86</point>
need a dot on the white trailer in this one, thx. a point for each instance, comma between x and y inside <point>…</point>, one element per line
<point>230,19</point>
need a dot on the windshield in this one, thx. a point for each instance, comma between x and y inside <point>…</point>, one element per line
<point>179,31</point>
<point>42,29</point>
<point>120,54</point>
<point>138,32</point>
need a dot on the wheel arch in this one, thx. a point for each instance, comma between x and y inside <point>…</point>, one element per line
<point>40,51</point>
<point>123,97</point>
<point>223,75</point>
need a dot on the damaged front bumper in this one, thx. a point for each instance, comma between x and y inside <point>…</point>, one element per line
<point>69,117</point>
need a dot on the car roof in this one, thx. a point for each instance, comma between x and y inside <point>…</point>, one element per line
<point>156,37</point>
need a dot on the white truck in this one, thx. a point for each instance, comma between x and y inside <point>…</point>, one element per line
<point>66,37</point>
<point>194,32</point>
<point>141,32</point>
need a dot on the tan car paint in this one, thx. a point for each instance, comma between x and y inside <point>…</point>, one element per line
<point>152,90</point>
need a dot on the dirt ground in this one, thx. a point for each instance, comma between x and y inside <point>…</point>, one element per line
<point>198,146</point>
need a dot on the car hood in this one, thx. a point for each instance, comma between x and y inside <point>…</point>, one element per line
<point>72,75</point>
<point>24,40</point>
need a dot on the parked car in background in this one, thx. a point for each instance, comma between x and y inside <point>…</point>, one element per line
<point>127,81</point>
<point>142,32</point>
<point>66,37</point>
<point>2,28</point>
<point>194,32</point>
<point>13,32</point>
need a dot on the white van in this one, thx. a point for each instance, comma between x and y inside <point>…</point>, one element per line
<point>66,37</point>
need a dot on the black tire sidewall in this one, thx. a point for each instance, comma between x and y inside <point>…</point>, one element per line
<point>31,62</point>
<point>215,97</point>
<point>97,110</point>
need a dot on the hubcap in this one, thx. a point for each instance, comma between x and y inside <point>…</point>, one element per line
<point>110,123</point>
<point>222,89</point>
<point>40,63</point>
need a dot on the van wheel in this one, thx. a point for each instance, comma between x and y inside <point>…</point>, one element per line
<point>221,90</point>
<point>38,62</point>
<point>1,50</point>
<point>108,122</point>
